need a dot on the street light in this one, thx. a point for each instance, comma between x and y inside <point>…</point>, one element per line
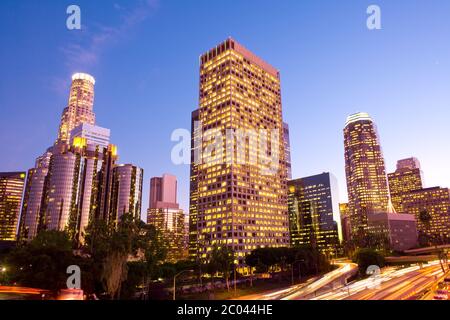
<point>174,281</point>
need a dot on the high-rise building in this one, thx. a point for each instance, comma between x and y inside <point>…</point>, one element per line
<point>95,135</point>
<point>287,150</point>
<point>345,222</point>
<point>392,231</point>
<point>11,191</point>
<point>163,192</point>
<point>367,184</point>
<point>431,207</point>
<point>126,191</point>
<point>80,106</point>
<point>33,197</point>
<point>75,189</point>
<point>238,190</point>
<point>164,213</point>
<point>313,212</point>
<point>406,178</point>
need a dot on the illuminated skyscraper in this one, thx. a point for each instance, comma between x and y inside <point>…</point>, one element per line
<point>345,222</point>
<point>367,184</point>
<point>287,150</point>
<point>431,207</point>
<point>75,191</point>
<point>313,211</point>
<point>33,197</point>
<point>164,213</point>
<point>80,106</point>
<point>126,191</point>
<point>407,178</point>
<point>11,191</point>
<point>238,190</point>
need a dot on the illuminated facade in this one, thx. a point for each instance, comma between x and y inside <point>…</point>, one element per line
<point>11,191</point>
<point>313,209</point>
<point>74,193</point>
<point>367,184</point>
<point>126,191</point>
<point>406,178</point>
<point>431,207</point>
<point>33,196</point>
<point>345,222</point>
<point>237,203</point>
<point>80,106</point>
<point>287,150</point>
<point>164,213</point>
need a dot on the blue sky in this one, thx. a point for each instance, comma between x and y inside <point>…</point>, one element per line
<point>144,56</point>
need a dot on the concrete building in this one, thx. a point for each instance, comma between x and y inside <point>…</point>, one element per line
<point>11,191</point>
<point>313,211</point>
<point>238,195</point>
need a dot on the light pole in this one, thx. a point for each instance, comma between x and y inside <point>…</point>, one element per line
<point>175,279</point>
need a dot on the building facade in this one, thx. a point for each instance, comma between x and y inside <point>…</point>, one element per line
<point>313,210</point>
<point>431,208</point>
<point>406,178</point>
<point>126,191</point>
<point>238,191</point>
<point>367,184</point>
<point>393,231</point>
<point>80,106</point>
<point>345,222</point>
<point>11,191</point>
<point>165,214</point>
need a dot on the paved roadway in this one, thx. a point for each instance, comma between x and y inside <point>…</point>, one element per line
<point>392,284</point>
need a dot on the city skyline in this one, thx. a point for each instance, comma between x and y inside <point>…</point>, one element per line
<point>394,124</point>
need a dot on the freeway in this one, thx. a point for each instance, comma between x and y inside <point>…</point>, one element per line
<point>304,290</point>
<point>392,284</point>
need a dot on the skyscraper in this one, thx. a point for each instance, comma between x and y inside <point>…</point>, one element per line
<point>163,192</point>
<point>407,177</point>
<point>33,197</point>
<point>238,191</point>
<point>80,106</point>
<point>345,222</point>
<point>431,207</point>
<point>126,191</point>
<point>11,191</point>
<point>313,211</point>
<point>287,150</point>
<point>367,184</point>
<point>164,213</point>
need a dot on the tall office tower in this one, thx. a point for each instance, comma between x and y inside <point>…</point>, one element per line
<point>367,184</point>
<point>126,191</point>
<point>287,150</point>
<point>407,177</point>
<point>345,222</point>
<point>431,207</point>
<point>80,107</point>
<point>75,190</point>
<point>95,135</point>
<point>33,197</point>
<point>163,192</point>
<point>313,212</point>
<point>196,134</point>
<point>11,191</point>
<point>238,190</point>
<point>164,213</point>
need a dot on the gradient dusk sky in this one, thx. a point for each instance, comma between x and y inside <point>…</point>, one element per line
<point>144,56</point>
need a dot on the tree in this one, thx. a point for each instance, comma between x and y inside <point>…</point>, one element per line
<point>221,259</point>
<point>43,262</point>
<point>366,257</point>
